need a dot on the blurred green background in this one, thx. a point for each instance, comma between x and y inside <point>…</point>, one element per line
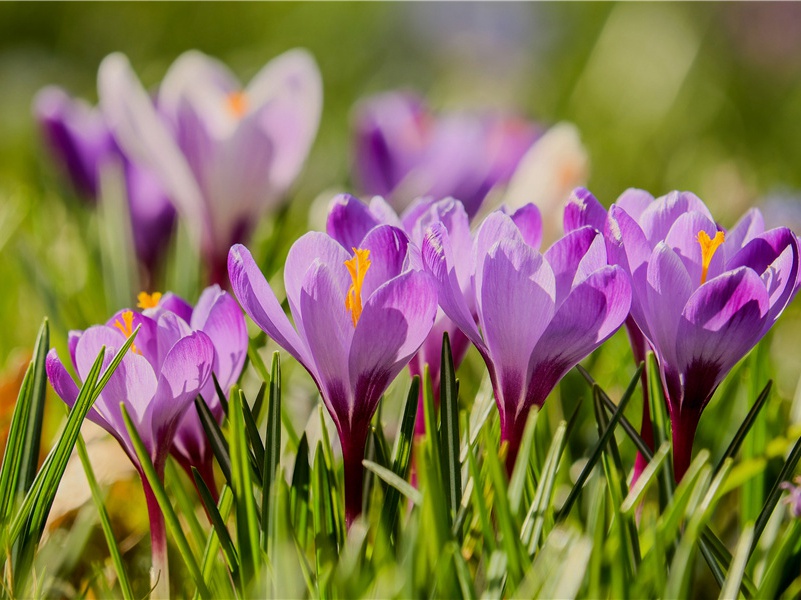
<point>704,97</point>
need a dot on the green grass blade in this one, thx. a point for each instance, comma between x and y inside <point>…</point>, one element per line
<point>299,492</point>
<point>401,455</point>
<point>105,522</point>
<point>30,453</point>
<point>745,427</point>
<point>170,517</point>
<point>449,432</point>
<point>247,524</point>
<point>12,457</point>
<point>173,477</point>
<point>213,541</point>
<point>638,490</point>
<point>523,463</point>
<point>256,446</point>
<point>218,523</point>
<point>734,579</point>
<point>219,445</point>
<point>272,446</point>
<point>595,454</point>
<point>775,493</point>
<point>391,479</point>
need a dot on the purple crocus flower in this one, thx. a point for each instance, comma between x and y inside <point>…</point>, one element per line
<point>403,151</point>
<point>80,140</point>
<point>225,154</point>
<point>217,315</point>
<point>538,314</point>
<point>702,297</point>
<point>350,220</point>
<point>157,380</point>
<point>360,317</point>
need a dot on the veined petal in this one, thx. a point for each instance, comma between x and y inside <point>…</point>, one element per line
<point>750,225</point>
<point>388,248</point>
<point>583,209</point>
<point>683,238</point>
<point>349,220</point>
<point>259,302</point>
<point>721,322</point>
<point>517,305</point>
<point>178,305</point>
<point>171,328</point>
<point>574,256</point>
<point>669,287</point>
<point>497,226</point>
<point>657,219</point>
<point>394,324</point>
<point>528,220</point>
<point>439,262</point>
<point>634,202</point>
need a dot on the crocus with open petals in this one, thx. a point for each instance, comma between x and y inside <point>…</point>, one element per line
<point>226,155</point>
<point>80,140</point>
<point>350,220</point>
<point>538,314</point>
<point>359,318</point>
<point>157,380</point>
<point>403,151</point>
<point>703,297</point>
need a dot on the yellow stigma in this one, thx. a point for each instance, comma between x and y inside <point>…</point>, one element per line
<point>357,267</point>
<point>145,300</point>
<point>708,248</point>
<point>237,103</point>
<point>126,327</point>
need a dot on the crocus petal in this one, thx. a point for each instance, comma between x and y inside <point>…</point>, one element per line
<point>721,322</point>
<point>146,340</point>
<point>384,213</point>
<point>439,262</point>
<point>185,371</point>
<point>66,388</point>
<point>573,257</point>
<point>394,324</point>
<point>176,304</point>
<point>139,130</point>
<point>171,328</point>
<point>219,317</point>
<point>582,209</point>
<point>658,218</point>
<point>683,238</point>
<point>517,304</point>
<point>669,288</point>
<point>349,220</point>
<point>497,226</point>
<point>72,342</point>
<point>291,88</point>
<point>259,302</point>
<point>750,225</point>
<point>328,329</point>
<point>634,202</point>
<point>593,311</point>
<point>388,248</point>
<point>452,215</point>
<point>528,220</point>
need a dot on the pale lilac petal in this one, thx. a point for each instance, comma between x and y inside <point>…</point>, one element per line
<point>583,209</point>
<point>669,287</point>
<point>395,322</point>
<point>451,214</point>
<point>176,304</point>
<point>72,342</point>
<point>721,322</point>
<point>658,218</point>
<point>146,340</point>
<point>388,247</point>
<point>66,388</point>
<point>634,202</point>
<point>171,328</point>
<point>349,220</point>
<point>329,330</point>
<point>497,226</point>
<point>259,302</point>
<point>414,215</point>
<point>384,213</point>
<point>439,262</point>
<point>750,225</point>
<point>573,257</point>
<point>683,238</point>
<point>529,222</point>
<point>518,303</point>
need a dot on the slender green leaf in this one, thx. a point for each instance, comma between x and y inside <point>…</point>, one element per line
<point>219,445</point>
<point>247,525</point>
<point>745,427</point>
<point>12,456</point>
<point>449,434</point>
<point>218,523</point>
<point>272,446</point>
<point>33,435</point>
<point>731,588</point>
<point>522,466</point>
<point>775,493</point>
<point>391,479</point>
<point>213,541</point>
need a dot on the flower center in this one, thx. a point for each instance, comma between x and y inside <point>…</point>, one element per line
<point>708,248</point>
<point>357,267</point>
<point>145,300</point>
<point>237,103</point>
<point>126,327</point>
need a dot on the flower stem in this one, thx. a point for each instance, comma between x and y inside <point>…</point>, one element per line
<point>352,455</point>
<point>684,425</point>
<point>159,572</point>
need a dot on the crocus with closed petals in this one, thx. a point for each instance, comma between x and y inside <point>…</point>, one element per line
<point>359,316</point>
<point>226,155</point>
<point>157,380</point>
<point>403,151</point>
<point>703,297</point>
<point>350,220</point>
<point>218,316</point>
<point>538,315</point>
<point>80,140</point>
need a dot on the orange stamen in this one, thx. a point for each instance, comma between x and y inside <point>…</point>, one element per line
<point>237,103</point>
<point>708,248</point>
<point>145,300</point>
<point>126,327</point>
<point>357,267</point>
